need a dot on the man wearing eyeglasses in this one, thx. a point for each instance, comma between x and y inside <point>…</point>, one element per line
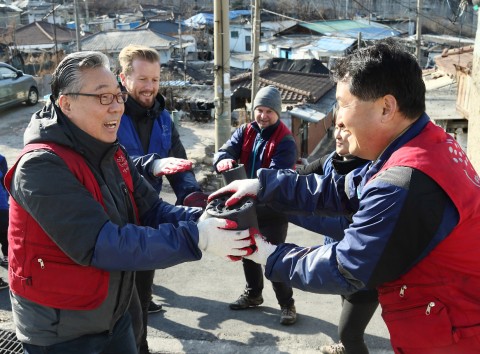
<point>76,204</point>
<point>150,137</point>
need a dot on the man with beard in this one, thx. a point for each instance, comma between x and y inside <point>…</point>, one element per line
<point>152,140</point>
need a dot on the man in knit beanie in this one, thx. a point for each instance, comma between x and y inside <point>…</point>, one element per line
<point>269,97</point>
<point>266,142</point>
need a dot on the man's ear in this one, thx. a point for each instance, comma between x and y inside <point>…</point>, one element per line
<point>389,107</point>
<point>64,103</point>
<point>122,78</point>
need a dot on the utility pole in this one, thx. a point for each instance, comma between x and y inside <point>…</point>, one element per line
<point>182,52</point>
<point>473,147</point>
<point>418,51</point>
<point>77,26</point>
<point>255,52</point>
<point>221,64</point>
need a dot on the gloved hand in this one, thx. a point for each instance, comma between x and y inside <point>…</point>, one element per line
<point>225,165</point>
<point>196,199</point>
<point>170,165</point>
<point>263,250</point>
<point>240,188</point>
<point>216,236</point>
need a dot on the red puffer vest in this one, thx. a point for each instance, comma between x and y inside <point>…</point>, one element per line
<point>435,307</point>
<point>249,136</point>
<point>38,269</point>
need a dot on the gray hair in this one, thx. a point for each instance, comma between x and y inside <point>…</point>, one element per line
<point>68,74</point>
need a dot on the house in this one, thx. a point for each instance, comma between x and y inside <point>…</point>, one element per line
<point>36,11</point>
<point>324,39</point>
<point>9,16</point>
<point>185,36</point>
<point>112,42</point>
<point>241,33</point>
<point>42,45</point>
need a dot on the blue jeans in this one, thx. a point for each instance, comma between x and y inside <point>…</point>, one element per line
<point>120,341</point>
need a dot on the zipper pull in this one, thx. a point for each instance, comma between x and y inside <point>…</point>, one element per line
<point>42,265</point>
<point>402,290</point>
<point>429,307</point>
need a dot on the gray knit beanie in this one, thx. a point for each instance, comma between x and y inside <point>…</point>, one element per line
<point>269,97</point>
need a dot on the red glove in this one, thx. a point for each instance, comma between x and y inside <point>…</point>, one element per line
<point>225,165</point>
<point>170,165</point>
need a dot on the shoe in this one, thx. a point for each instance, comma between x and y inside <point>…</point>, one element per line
<point>154,308</point>
<point>245,301</point>
<point>4,261</point>
<point>336,348</point>
<point>289,315</point>
<point>3,284</point>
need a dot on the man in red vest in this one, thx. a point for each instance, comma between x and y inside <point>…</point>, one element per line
<point>264,143</point>
<point>82,220</point>
<point>415,210</point>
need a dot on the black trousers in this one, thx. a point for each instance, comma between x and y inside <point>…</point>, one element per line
<point>3,230</point>
<point>274,227</point>
<point>143,283</point>
<point>357,311</point>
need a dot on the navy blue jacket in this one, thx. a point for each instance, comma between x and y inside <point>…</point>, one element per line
<point>284,155</point>
<point>401,209</point>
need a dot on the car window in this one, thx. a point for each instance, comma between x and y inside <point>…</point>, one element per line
<point>6,73</point>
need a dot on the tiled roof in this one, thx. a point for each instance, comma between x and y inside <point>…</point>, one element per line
<point>43,32</point>
<point>295,87</point>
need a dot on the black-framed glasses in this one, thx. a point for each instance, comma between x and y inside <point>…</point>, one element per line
<point>104,98</point>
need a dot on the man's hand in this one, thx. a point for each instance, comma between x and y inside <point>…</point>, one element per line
<point>216,236</point>
<point>225,165</point>
<point>263,250</point>
<point>170,165</point>
<point>240,189</point>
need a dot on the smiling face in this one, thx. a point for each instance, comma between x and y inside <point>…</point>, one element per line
<point>87,113</point>
<point>265,116</point>
<point>362,122</point>
<point>143,82</point>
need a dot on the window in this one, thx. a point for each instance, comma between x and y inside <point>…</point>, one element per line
<point>234,34</point>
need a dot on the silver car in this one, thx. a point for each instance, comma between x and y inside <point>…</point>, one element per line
<point>16,87</point>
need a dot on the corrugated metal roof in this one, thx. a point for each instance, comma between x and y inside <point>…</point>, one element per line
<point>351,28</point>
<point>115,41</point>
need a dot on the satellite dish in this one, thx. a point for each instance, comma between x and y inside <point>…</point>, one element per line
<point>82,33</point>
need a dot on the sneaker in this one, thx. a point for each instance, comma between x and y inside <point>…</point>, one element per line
<point>3,284</point>
<point>336,348</point>
<point>289,315</point>
<point>245,301</point>
<point>4,261</point>
<point>154,308</point>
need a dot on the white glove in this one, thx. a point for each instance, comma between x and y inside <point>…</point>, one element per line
<point>225,165</point>
<point>264,248</point>
<point>170,165</point>
<point>214,237</point>
<point>240,188</point>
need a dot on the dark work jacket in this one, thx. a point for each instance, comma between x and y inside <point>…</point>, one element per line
<point>89,233</point>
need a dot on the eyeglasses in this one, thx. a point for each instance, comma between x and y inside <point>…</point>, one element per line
<point>105,98</point>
